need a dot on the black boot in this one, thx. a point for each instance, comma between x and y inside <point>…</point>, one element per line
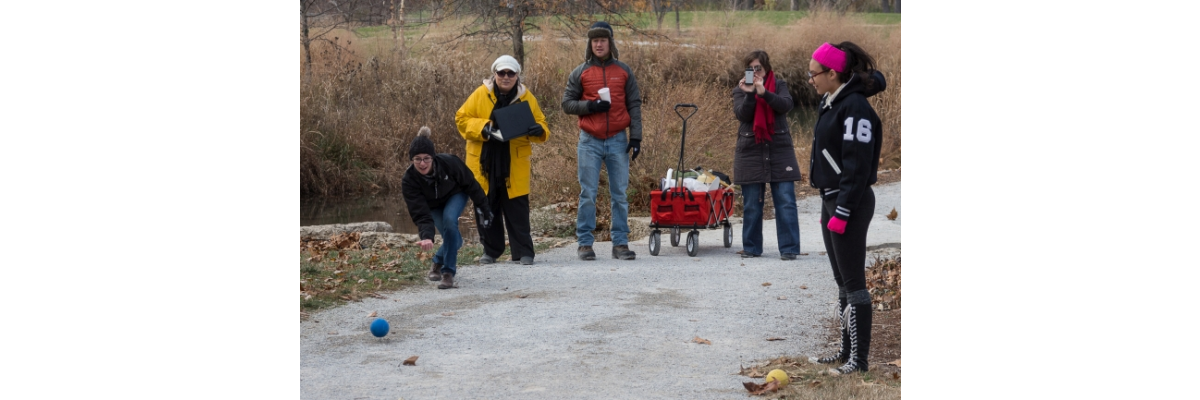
<point>858,318</point>
<point>844,354</point>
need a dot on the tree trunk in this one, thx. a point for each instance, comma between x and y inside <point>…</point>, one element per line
<point>897,6</point>
<point>518,33</point>
<point>677,30</point>
<point>885,6</point>
<point>795,5</point>
<point>304,41</point>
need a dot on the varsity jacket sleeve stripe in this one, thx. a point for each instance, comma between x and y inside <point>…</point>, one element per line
<point>858,146</point>
<point>571,103</point>
<point>418,209</point>
<point>633,103</point>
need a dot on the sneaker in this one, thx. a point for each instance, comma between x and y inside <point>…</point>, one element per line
<point>787,256</point>
<point>486,259</point>
<point>622,252</point>
<point>527,260</point>
<point>586,253</point>
<point>748,255</point>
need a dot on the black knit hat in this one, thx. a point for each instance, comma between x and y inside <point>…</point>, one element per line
<point>422,144</point>
<point>600,29</point>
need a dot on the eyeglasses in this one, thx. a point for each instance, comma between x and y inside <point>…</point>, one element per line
<point>811,75</point>
<point>506,73</point>
<point>423,160</point>
<point>757,68</point>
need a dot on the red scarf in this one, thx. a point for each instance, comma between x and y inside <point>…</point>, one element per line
<point>764,117</point>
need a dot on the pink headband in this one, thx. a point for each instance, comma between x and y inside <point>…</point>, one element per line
<point>831,57</point>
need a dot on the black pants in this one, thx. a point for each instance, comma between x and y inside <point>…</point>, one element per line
<point>848,251</point>
<point>510,214</point>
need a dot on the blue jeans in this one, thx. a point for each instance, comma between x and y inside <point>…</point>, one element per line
<point>592,153</point>
<point>787,219</point>
<point>445,219</point>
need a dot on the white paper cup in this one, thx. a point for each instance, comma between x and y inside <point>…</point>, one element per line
<point>604,94</point>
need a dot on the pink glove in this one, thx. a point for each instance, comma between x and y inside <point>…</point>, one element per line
<point>837,225</point>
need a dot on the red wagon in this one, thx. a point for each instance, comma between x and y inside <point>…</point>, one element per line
<point>678,208</point>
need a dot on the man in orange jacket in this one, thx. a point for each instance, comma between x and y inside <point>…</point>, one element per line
<point>603,92</point>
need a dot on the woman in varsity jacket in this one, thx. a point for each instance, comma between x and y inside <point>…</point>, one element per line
<point>844,160</point>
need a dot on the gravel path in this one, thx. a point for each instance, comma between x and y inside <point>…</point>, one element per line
<point>599,329</point>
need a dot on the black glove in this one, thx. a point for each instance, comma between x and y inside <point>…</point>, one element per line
<point>536,130</point>
<point>491,131</point>
<point>485,217</point>
<point>596,106</point>
<point>636,146</point>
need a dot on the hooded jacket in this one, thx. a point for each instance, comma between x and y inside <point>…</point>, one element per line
<point>475,113</point>
<point>773,161</point>
<point>451,177</point>
<point>846,143</point>
<point>593,74</point>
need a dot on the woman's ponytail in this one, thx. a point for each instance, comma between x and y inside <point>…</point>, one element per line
<point>858,62</point>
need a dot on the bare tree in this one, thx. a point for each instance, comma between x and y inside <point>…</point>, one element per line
<point>510,19</point>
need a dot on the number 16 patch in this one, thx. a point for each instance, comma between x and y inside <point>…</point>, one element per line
<point>864,130</point>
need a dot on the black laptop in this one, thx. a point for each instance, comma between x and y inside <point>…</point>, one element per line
<point>514,120</point>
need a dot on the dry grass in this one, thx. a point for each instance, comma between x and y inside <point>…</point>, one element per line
<point>363,106</point>
<point>812,381</point>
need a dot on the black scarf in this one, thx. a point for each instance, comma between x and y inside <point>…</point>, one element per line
<point>495,159</point>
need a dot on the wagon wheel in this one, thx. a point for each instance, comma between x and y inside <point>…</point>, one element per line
<point>654,242</point>
<point>693,240</point>
<point>728,235</point>
<point>675,237</point>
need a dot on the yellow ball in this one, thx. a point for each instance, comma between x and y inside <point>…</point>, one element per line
<point>778,375</point>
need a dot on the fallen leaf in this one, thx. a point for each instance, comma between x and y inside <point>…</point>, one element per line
<point>766,283</point>
<point>521,296</point>
<point>754,373</point>
<point>782,297</point>
<point>896,363</point>
<point>373,314</point>
<point>697,339</point>
<point>814,384</point>
<point>362,280</point>
<point>803,287</point>
<point>804,254</point>
<point>448,313</point>
<point>821,253</point>
<point>756,389</point>
<point>892,215</point>
<point>895,375</point>
<point>411,361</point>
<point>772,339</point>
<point>332,333</point>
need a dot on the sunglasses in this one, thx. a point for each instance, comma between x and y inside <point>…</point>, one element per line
<point>506,73</point>
<point>757,68</point>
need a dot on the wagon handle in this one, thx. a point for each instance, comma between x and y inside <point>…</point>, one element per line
<point>683,136</point>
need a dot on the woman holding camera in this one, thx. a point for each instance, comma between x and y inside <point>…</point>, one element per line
<point>845,158</point>
<point>765,155</point>
<point>502,167</point>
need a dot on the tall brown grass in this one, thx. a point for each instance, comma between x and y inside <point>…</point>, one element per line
<point>365,102</point>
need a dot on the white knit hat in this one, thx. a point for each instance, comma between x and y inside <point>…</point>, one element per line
<point>506,62</point>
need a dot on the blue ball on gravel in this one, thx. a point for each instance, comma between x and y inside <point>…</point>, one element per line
<point>379,328</point>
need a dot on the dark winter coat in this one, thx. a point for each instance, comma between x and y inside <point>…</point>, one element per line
<point>765,162</point>
<point>846,143</point>
<point>451,176</point>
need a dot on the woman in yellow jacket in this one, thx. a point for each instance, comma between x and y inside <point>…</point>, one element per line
<point>502,168</point>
